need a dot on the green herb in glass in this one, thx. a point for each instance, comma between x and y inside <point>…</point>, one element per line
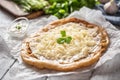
<point>18,26</point>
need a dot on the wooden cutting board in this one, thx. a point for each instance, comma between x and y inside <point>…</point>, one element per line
<point>15,10</point>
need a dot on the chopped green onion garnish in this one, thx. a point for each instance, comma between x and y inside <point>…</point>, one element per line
<point>62,11</point>
<point>18,26</point>
<point>61,40</point>
<point>68,39</point>
<point>63,33</point>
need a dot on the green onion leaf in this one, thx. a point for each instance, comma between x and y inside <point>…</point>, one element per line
<point>61,40</point>
<point>18,26</point>
<point>62,11</point>
<point>63,33</point>
<point>68,39</point>
<point>64,39</point>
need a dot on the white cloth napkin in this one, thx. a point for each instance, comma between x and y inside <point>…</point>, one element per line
<point>25,72</point>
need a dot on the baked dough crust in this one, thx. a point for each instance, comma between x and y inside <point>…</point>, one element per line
<point>31,59</point>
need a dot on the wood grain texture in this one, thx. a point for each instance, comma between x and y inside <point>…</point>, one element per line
<point>15,10</point>
<point>5,65</point>
<point>6,59</point>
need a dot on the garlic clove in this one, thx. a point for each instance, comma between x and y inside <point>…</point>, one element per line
<point>111,7</point>
<point>103,1</point>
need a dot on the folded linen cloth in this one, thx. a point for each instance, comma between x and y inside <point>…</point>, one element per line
<point>115,18</point>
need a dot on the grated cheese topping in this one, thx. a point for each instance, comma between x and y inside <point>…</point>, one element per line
<point>46,47</point>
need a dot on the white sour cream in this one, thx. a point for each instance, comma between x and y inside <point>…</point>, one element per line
<point>18,27</point>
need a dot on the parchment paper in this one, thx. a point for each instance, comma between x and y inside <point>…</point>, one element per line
<point>21,71</point>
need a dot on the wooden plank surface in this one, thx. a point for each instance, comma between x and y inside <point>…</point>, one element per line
<point>15,10</point>
<point>6,61</point>
<point>5,65</point>
<point>13,72</point>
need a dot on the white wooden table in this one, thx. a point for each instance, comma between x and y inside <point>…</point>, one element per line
<point>105,72</point>
<point>7,63</point>
<point>5,19</point>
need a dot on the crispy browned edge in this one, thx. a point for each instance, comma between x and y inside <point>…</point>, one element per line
<point>30,59</point>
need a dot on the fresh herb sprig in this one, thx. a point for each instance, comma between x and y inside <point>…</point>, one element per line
<point>18,26</point>
<point>58,8</point>
<point>62,8</point>
<point>64,39</point>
